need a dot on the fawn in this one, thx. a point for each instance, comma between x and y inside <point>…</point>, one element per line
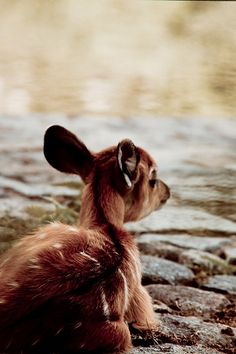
<point>67,289</point>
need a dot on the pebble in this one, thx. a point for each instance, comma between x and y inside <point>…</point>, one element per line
<point>203,260</point>
<point>158,248</point>
<point>170,348</point>
<point>172,218</point>
<point>186,241</point>
<point>188,300</point>
<point>223,283</point>
<point>194,331</point>
<point>158,270</point>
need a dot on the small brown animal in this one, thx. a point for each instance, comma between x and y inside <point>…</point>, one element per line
<point>68,289</point>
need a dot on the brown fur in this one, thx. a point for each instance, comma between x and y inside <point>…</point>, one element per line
<point>68,288</point>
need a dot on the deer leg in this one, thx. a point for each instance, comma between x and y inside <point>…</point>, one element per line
<point>140,313</point>
<point>102,337</point>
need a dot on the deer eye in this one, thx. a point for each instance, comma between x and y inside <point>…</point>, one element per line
<point>153,183</point>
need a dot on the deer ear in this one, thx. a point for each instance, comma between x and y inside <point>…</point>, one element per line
<point>128,158</point>
<point>66,153</point>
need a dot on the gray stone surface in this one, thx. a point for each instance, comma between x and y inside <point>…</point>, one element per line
<point>225,283</point>
<point>158,270</point>
<point>172,218</point>
<point>197,159</point>
<point>230,253</point>
<point>158,248</point>
<point>204,260</point>
<point>187,241</point>
<point>175,349</point>
<point>194,331</point>
<point>36,190</point>
<point>188,300</point>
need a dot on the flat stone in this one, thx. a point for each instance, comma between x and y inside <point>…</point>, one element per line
<point>224,283</point>
<point>36,190</point>
<point>181,218</point>
<point>170,348</point>
<point>158,270</point>
<point>186,241</point>
<point>158,248</point>
<point>188,300</point>
<point>194,331</point>
<point>17,206</point>
<point>203,260</point>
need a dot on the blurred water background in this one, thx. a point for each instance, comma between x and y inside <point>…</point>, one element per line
<point>118,58</point>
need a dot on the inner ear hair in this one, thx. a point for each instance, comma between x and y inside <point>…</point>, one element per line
<point>128,158</point>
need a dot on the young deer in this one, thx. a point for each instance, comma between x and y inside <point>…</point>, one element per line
<point>68,289</point>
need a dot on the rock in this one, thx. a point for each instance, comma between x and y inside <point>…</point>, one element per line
<point>204,260</point>
<point>229,254</point>
<point>194,331</point>
<point>223,283</point>
<point>36,190</point>
<point>188,300</point>
<point>158,270</point>
<point>157,248</point>
<point>160,307</point>
<point>186,241</point>
<point>181,218</point>
<point>169,348</point>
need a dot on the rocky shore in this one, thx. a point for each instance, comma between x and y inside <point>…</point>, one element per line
<point>188,249</point>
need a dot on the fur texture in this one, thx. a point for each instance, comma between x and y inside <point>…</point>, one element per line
<point>75,288</point>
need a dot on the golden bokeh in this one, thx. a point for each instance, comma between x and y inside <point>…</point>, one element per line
<point>118,58</point>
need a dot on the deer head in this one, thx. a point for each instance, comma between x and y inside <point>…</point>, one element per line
<point>121,180</point>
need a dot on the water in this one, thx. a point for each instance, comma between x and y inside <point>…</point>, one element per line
<point>118,58</point>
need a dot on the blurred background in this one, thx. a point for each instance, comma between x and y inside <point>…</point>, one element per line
<point>118,58</point>
<point>90,66</point>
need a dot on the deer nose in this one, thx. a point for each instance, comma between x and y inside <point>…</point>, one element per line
<point>166,194</point>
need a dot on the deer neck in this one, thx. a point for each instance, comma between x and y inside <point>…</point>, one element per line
<point>101,206</point>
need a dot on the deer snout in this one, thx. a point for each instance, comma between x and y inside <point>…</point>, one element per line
<point>165,192</point>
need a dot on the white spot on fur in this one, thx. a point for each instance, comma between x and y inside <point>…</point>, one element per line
<point>126,291</point>
<point>61,255</point>
<point>105,305</point>
<point>34,266</point>
<point>77,325</point>
<point>2,301</point>
<point>59,331</point>
<point>42,235</point>
<point>34,260</point>
<point>55,224</point>
<point>36,341</point>
<point>57,245</point>
<point>89,257</point>
<point>127,180</point>
<point>14,284</point>
<point>72,229</point>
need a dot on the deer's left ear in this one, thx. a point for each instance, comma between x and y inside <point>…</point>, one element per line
<point>128,157</point>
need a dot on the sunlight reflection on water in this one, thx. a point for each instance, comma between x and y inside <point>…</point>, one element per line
<point>118,58</point>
